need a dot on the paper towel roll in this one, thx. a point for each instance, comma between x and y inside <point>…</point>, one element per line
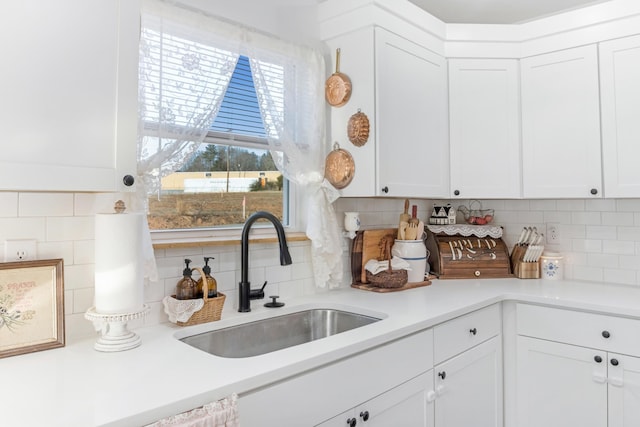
<point>118,263</point>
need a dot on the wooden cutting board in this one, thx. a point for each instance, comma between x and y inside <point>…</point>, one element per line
<point>373,246</point>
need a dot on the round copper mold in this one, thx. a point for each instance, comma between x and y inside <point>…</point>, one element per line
<point>339,167</point>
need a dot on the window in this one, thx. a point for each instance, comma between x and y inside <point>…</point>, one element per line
<point>227,175</point>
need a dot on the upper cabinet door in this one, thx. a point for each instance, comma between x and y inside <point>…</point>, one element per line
<point>484,127</point>
<point>620,93</point>
<point>69,94</point>
<point>411,119</point>
<point>561,124</point>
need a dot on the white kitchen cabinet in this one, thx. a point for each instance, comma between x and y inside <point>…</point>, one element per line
<point>620,103</point>
<point>560,385</point>
<point>69,94</point>
<point>393,379</point>
<point>402,88</point>
<point>468,371</point>
<point>561,124</point>
<point>484,128</point>
<point>578,366</point>
<point>409,404</point>
<point>411,119</point>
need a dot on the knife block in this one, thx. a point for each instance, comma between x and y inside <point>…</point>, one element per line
<point>521,269</point>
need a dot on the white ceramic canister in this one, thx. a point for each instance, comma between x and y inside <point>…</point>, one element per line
<point>551,266</point>
<point>415,253</point>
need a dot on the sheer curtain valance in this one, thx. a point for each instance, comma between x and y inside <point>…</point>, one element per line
<point>178,107</point>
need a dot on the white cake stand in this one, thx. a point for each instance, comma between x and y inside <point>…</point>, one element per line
<point>114,335</point>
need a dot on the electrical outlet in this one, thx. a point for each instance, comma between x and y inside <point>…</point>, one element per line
<point>553,233</point>
<point>19,250</point>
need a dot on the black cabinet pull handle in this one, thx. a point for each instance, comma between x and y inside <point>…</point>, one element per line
<point>615,362</point>
<point>385,189</point>
<point>594,191</point>
<point>364,415</point>
<point>456,192</point>
<point>351,422</point>
<point>442,374</point>
<point>606,334</point>
<point>598,359</point>
<point>473,331</point>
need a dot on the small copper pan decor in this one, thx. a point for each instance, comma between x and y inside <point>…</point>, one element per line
<point>358,129</point>
<point>337,88</point>
<point>339,167</point>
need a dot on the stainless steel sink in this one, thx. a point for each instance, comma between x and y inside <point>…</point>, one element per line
<point>276,333</point>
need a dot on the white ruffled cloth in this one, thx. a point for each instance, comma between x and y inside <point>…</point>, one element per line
<point>223,413</point>
<point>374,267</point>
<point>181,310</point>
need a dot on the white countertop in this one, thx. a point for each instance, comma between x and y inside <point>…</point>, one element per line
<point>78,386</point>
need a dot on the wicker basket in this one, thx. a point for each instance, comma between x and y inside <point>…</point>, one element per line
<point>210,311</point>
<point>388,278</point>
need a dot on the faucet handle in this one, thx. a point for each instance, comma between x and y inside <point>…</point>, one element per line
<point>257,293</point>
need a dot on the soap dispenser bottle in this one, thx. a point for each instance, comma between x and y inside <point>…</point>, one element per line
<point>212,284</point>
<point>186,287</point>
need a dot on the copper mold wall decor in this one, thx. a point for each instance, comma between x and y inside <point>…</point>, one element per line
<point>337,88</point>
<point>358,129</point>
<point>339,167</point>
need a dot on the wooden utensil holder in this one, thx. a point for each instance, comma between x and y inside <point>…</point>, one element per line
<point>521,269</point>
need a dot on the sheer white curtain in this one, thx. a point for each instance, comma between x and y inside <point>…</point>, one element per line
<point>293,116</point>
<point>289,81</point>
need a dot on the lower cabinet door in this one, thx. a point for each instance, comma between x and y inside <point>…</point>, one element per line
<point>560,385</point>
<point>408,405</point>
<point>624,390</point>
<point>469,388</point>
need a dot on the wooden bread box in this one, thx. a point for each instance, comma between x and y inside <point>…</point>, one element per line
<point>468,252</point>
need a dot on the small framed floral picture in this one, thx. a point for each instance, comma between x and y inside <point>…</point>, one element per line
<point>31,306</point>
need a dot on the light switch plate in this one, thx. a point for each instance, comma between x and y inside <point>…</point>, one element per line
<point>19,250</point>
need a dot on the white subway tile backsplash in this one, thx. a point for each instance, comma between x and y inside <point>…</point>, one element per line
<point>628,205</point>
<point>8,204</point>
<point>587,218</point>
<point>23,228</point>
<point>600,205</point>
<point>628,233</point>
<point>602,232</point>
<point>64,250</point>
<point>93,203</point>
<point>586,245</point>
<point>79,276</point>
<point>618,218</point>
<point>624,277</point>
<point>618,247</point>
<point>45,204</point>
<point>84,252</point>
<point>603,260</point>
<point>69,228</point>
<point>571,205</point>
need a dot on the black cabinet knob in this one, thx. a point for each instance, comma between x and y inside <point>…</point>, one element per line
<point>128,180</point>
<point>364,415</point>
<point>594,191</point>
<point>598,359</point>
<point>606,334</point>
<point>442,374</point>
<point>473,331</point>
<point>351,422</point>
<point>615,362</point>
<point>385,189</point>
<point>456,192</point>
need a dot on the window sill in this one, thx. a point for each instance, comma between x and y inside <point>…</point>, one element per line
<point>160,242</point>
